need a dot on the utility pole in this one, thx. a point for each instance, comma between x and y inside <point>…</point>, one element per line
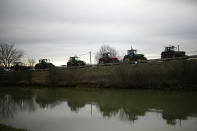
<point>90,57</point>
<point>91,109</point>
<point>178,47</point>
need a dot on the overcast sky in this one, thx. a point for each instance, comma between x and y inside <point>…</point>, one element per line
<point>57,29</point>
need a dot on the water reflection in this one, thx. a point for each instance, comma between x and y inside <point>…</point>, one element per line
<point>128,105</point>
<point>12,102</point>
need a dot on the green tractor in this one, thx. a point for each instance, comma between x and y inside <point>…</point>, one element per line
<point>170,52</point>
<point>44,64</point>
<point>133,57</point>
<point>74,61</point>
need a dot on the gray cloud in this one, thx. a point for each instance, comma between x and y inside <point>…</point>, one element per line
<point>77,25</point>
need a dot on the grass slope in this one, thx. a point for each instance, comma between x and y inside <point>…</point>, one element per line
<point>171,74</point>
<point>9,128</point>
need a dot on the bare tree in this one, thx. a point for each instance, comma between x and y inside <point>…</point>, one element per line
<point>9,54</point>
<point>106,49</point>
<point>31,62</point>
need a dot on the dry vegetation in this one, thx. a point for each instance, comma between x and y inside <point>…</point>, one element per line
<point>9,128</point>
<point>164,75</point>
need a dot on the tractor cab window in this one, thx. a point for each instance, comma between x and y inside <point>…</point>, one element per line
<point>131,52</point>
<point>106,55</point>
<point>71,59</point>
<point>171,48</point>
<point>43,61</point>
<point>76,58</point>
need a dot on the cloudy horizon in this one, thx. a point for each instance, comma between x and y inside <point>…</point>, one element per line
<point>62,28</point>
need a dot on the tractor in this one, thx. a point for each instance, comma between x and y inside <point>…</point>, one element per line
<point>133,57</point>
<point>107,58</point>
<point>44,64</point>
<point>19,66</point>
<point>170,52</point>
<point>74,61</point>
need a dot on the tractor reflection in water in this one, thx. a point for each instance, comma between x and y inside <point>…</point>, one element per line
<point>74,61</point>
<point>44,64</point>
<point>107,58</point>
<point>133,57</point>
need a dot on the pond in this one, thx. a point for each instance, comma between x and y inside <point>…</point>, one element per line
<point>76,109</point>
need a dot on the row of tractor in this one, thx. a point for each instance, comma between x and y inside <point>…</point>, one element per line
<point>131,57</point>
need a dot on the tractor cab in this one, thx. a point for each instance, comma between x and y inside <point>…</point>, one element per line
<point>170,48</point>
<point>106,55</point>
<point>132,52</point>
<point>72,59</point>
<point>44,61</point>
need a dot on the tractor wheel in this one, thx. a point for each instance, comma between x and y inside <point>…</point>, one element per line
<point>164,55</point>
<point>144,60</point>
<point>127,60</point>
<point>116,61</point>
<point>49,66</point>
<point>83,64</point>
<point>37,66</point>
<point>139,60</point>
<point>101,61</point>
<point>113,61</point>
<point>69,64</point>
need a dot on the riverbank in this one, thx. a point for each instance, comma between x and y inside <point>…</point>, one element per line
<point>9,128</point>
<point>161,75</point>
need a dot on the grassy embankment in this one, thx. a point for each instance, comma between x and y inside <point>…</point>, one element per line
<point>164,75</point>
<point>9,128</point>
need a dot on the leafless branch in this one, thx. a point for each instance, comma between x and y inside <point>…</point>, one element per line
<point>9,54</point>
<point>106,49</point>
<point>31,62</point>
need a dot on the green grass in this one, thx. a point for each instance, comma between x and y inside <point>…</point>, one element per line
<point>169,75</point>
<point>9,128</point>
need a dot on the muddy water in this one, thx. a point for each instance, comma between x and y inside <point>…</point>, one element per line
<point>98,109</point>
